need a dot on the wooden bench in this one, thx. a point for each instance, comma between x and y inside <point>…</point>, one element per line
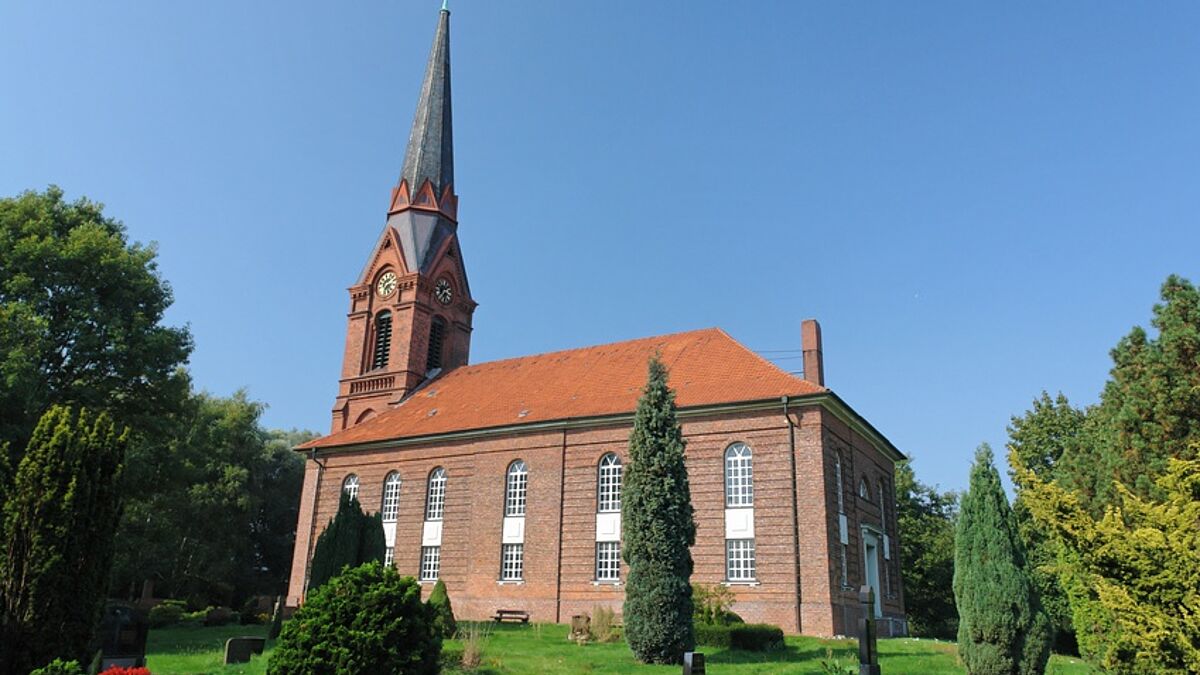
<point>511,615</point>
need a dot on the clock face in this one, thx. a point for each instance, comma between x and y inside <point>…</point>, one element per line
<point>387,284</point>
<point>443,292</point>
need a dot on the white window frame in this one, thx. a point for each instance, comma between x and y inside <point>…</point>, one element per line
<point>608,484</point>
<point>350,486</point>
<point>431,562</point>
<point>435,495</point>
<point>389,556</point>
<point>512,562</point>
<point>740,561</point>
<point>739,476</point>
<point>391,497</point>
<point>516,486</point>
<point>608,561</point>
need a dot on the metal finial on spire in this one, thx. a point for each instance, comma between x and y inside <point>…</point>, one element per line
<point>444,7</point>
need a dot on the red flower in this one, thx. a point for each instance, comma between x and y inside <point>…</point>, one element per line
<point>118,670</point>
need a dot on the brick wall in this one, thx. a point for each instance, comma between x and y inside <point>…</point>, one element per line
<point>798,579</point>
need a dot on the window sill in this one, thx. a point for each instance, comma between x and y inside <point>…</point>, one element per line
<point>426,582</point>
<point>745,582</point>
<point>511,582</point>
<point>600,582</point>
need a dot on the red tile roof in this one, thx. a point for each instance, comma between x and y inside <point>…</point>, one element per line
<point>707,367</point>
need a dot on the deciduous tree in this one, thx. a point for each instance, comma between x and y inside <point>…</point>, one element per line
<point>81,311</point>
<point>926,519</point>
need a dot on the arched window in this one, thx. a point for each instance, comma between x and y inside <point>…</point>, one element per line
<point>391,496</point>
<point>350,486</point>
<point>864,491</point>
<point>435,497</point>
<point>437,336</point>
<point>739,476</point>
<point>609,484</point>
<point>383,339</point>
<point>514,491</point>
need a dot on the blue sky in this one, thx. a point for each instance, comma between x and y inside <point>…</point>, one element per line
<point>976,201</point>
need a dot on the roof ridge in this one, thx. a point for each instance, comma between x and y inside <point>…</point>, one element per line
<point>614,343</point>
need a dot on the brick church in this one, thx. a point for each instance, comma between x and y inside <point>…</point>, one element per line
<point>503,479</point>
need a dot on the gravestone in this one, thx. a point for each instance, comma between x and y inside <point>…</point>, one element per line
<point>693,663</point>
<point>868,656</point>
<point>239,649</point>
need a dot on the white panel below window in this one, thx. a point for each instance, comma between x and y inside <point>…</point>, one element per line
<point>389,534</point>
<point>887,548</point>
<point>843,529</point>
<point>608,527</point>
<point>739,523</point>
<point>514,530</point>
<point>431,534</point>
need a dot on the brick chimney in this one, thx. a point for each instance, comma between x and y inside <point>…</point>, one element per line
<point>810,342</point>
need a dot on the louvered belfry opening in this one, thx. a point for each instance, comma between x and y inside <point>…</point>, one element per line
<point>383,340</point>
<point>437,337</point>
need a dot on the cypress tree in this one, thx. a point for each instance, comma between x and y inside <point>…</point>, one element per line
<point>58,526</point>
<point>351,539</point>
<point>658,524</point>
<point>443,614</point>
<point>1001,626</point>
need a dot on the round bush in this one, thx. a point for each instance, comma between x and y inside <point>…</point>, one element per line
<point>366,620</point>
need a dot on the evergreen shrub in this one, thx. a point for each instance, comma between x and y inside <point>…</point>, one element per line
<point>351,539</point>
<point>367,619</point>
<point>659,527</point>
<point>1001,625</point>
<point>166,613</point>
<point>443,614</point>
<point>751,637</point>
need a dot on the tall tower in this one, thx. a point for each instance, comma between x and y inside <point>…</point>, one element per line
<point>410,310</point>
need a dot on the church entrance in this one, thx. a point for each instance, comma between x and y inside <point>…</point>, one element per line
<point>871,556</point>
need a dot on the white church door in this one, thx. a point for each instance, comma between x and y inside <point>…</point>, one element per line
<point>871,556</point>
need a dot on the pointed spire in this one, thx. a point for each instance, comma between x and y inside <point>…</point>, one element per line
<point>430,152</point>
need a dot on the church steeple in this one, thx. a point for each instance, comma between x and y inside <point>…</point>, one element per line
<point>411,308</point>
<point>426,186</point>
<point>430,154</point>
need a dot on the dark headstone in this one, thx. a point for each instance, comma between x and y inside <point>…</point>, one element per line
<point>693,663</point>
<point>121,635</point>
<point>868,656</point>
<point>239,649</point>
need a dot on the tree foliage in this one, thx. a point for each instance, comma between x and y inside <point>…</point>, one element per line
<point>1149,411</point>
<point>926,521</point>
<point>1132,575</point>
<point>1002,628</point>
<point>213,502</point>
<point>1148,415</point>
<point>658,523</point>
<point>81,314</point>
<point>1037,441</point>
<point>367,619</point>
<point>351,539</point>
<point>58,538</point>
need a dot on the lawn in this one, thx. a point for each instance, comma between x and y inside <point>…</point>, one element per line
<point>543,648</point>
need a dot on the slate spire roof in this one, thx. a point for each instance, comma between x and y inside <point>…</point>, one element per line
<point>430,153</point>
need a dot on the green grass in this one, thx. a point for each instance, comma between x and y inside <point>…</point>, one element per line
<point>543,648</point>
